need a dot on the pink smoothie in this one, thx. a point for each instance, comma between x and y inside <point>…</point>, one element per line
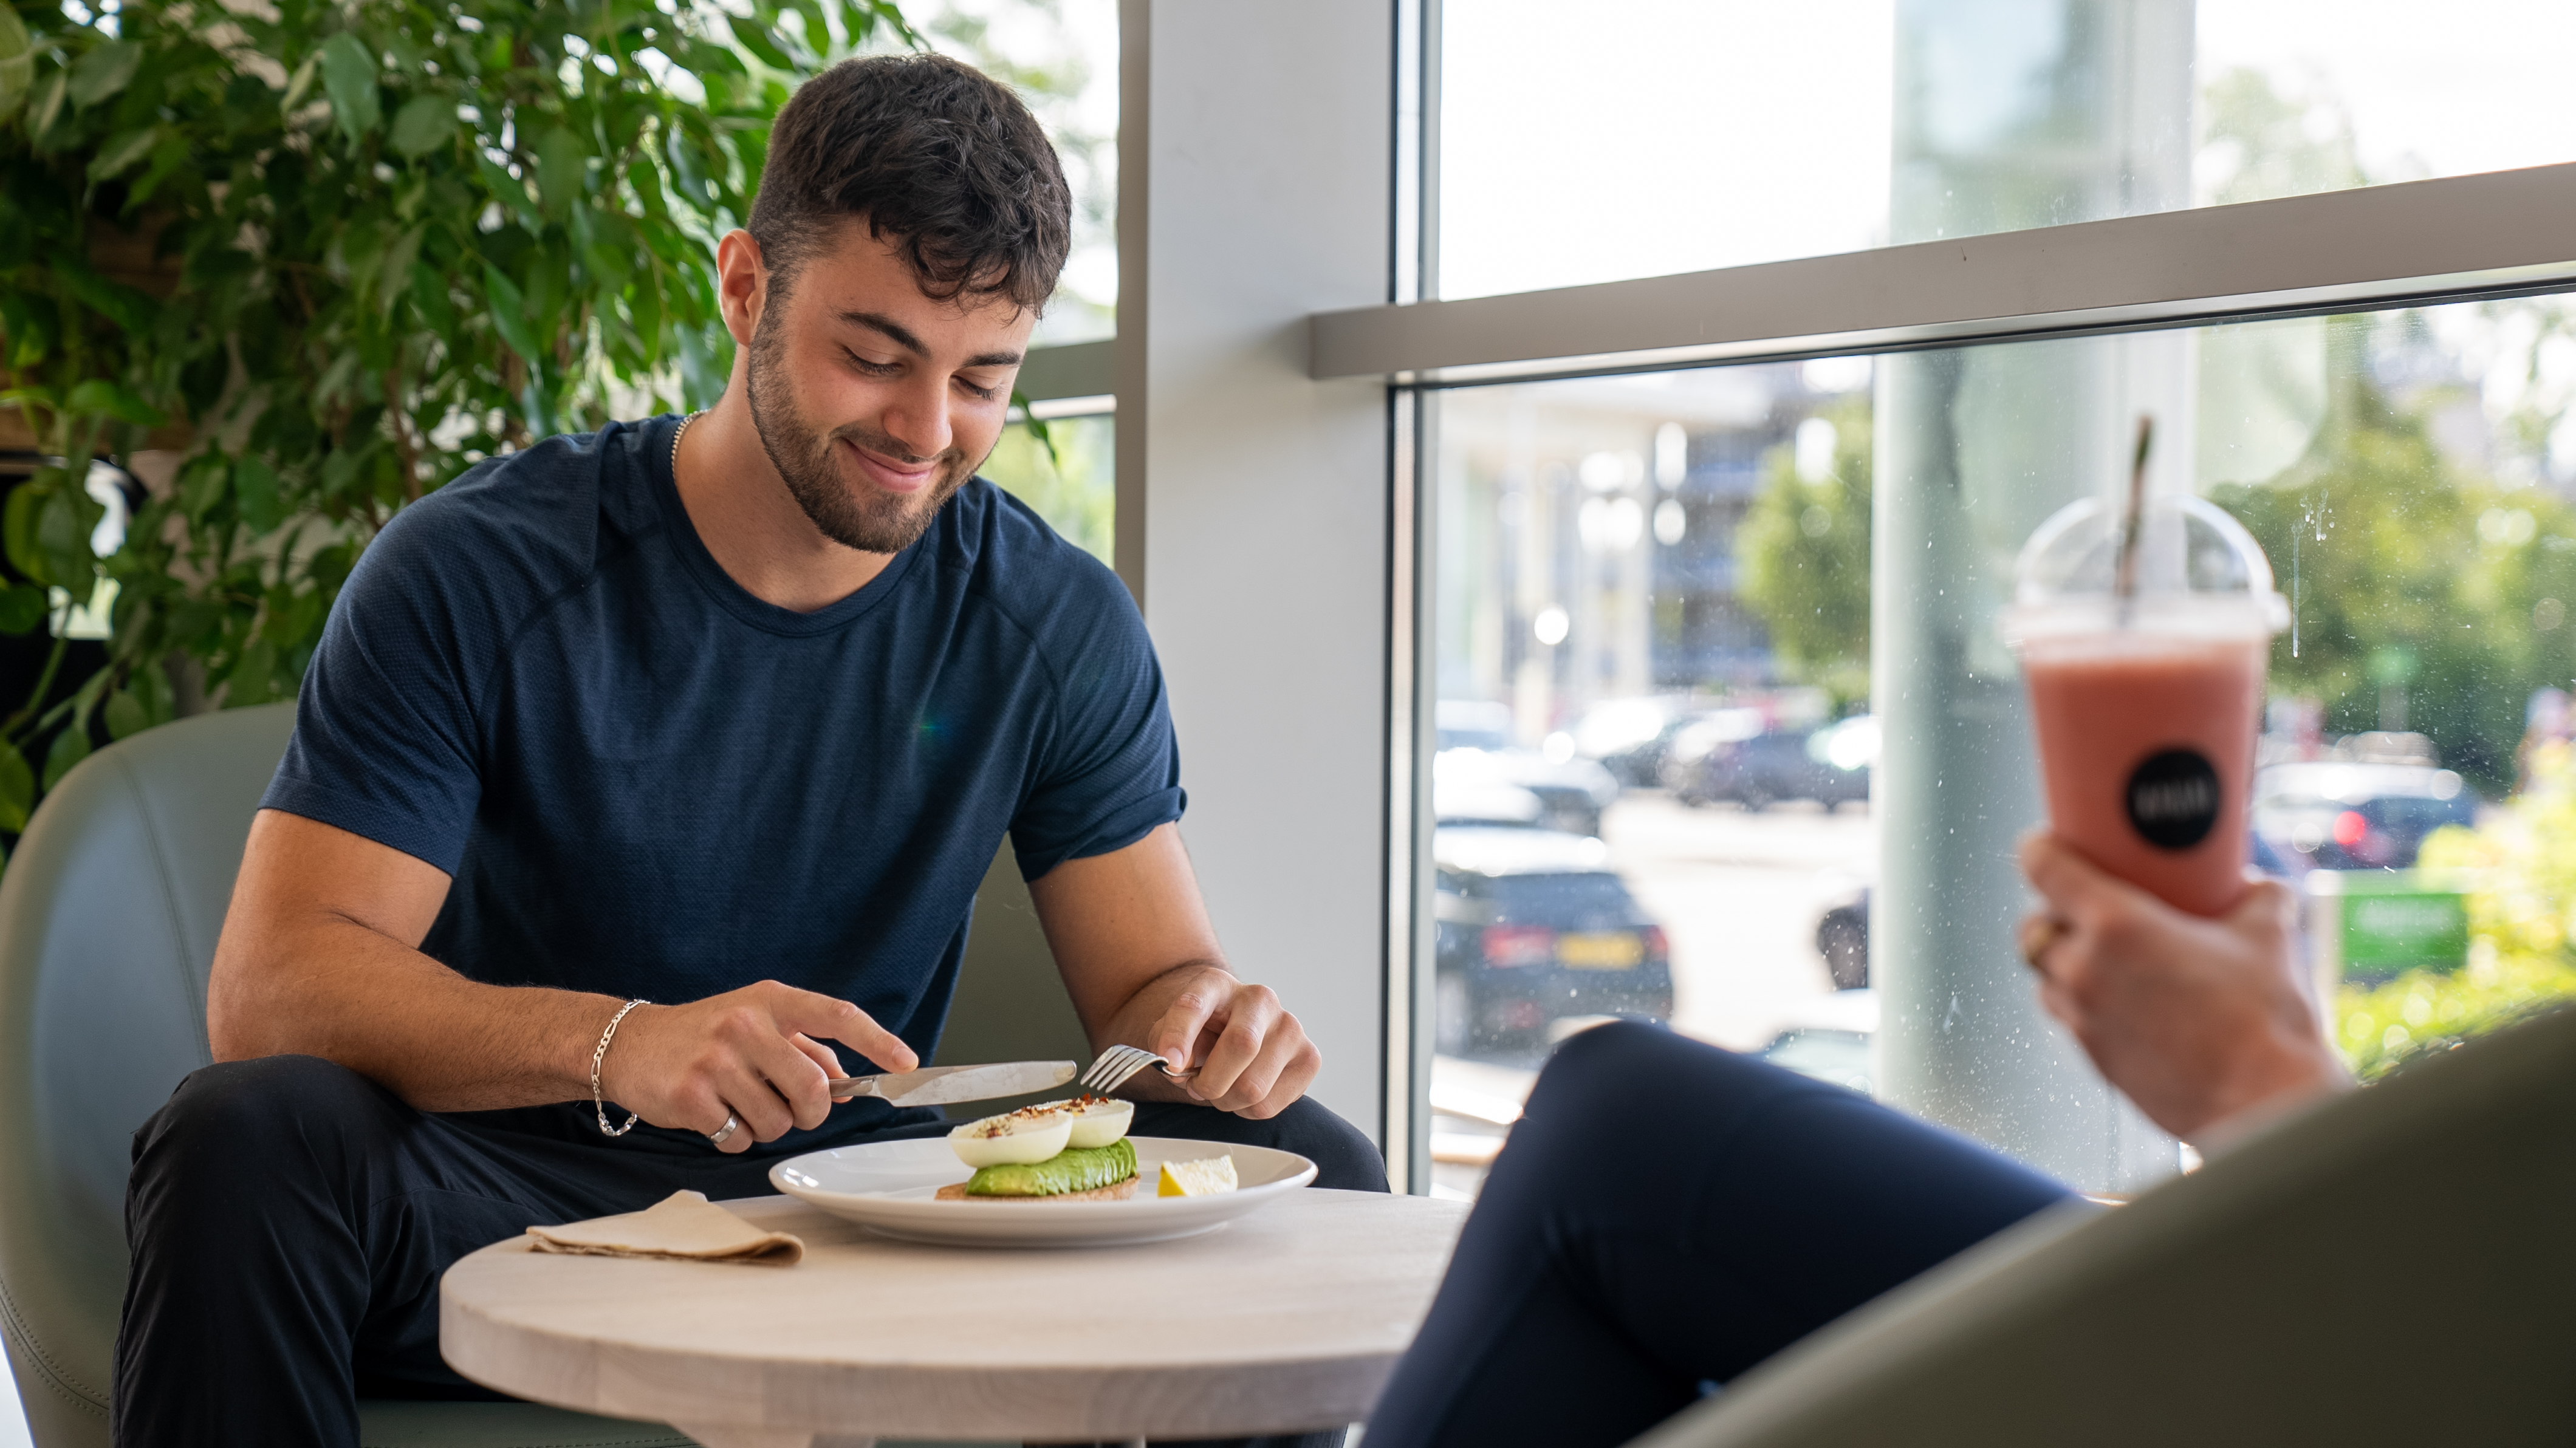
<point>2146,744</point>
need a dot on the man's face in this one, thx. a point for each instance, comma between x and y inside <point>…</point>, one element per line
<point>873,401</point>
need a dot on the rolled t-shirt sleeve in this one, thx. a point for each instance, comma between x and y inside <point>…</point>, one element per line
<point>385,743</point>
<point>1110,771</point>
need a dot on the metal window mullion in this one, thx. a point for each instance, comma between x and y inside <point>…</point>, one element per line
<point>2345,250</point>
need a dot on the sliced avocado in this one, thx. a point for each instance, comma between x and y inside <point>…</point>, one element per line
<point>1075,1169</point>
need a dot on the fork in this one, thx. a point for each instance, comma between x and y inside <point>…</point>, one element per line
<point>1116,1064</point>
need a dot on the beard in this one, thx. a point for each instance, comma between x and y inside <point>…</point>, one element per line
<point>853,515</point>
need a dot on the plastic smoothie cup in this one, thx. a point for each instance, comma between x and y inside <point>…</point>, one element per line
<point>2147,705</point>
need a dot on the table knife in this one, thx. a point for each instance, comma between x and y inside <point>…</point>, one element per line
<point>939,1085</point>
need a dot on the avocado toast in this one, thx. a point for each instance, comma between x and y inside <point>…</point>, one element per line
<point>1078,1173</point>
<point>1091,1161</point>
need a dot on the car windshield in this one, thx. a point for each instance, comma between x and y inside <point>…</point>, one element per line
<point>2403,813</point>
<point>1543,899</point>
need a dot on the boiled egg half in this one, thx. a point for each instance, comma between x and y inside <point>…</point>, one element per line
<point>1030,1134</point>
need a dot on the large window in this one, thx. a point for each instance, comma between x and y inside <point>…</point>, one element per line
<point>1636,138</point>
<point>1657,787</point>
<point>1717,721</point>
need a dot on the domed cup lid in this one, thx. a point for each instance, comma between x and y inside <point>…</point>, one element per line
<point>2197,572</point>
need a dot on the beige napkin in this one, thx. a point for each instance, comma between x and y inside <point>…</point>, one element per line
<point>683,1226</point>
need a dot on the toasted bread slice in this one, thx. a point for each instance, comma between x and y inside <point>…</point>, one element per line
<point>1114,1192</point>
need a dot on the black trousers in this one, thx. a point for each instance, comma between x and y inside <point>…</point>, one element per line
<point>289,1220</point>
<point>1666,1216</point>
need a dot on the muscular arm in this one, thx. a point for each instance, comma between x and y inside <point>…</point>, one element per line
<point>1132,938</point>
<point>320,956</point>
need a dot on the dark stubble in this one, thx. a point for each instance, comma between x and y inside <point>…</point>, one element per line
<point>857,516</point>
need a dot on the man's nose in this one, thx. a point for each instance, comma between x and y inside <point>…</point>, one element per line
<point>918,418</point>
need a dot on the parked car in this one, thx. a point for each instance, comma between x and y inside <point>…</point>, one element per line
<point>1842,938</point>
<point>1829,765</point>
<point>1535,927</point>
<point>2349,815</point>
<point>1829,1038</point>
<point>1630,737</point>
<point>1475,745</point>
<point>1842,931</point>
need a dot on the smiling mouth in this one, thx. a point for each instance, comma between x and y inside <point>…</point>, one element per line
<point>894,476</point>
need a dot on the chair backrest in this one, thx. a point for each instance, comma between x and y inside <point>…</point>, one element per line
<point>108,917</point>
<point>2394,1267</point>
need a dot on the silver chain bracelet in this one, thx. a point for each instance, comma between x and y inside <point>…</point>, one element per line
<point>599,1054</point>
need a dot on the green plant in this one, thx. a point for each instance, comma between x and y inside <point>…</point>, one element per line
<point>381,240</point>
<point>1805,553</point>
<point>2522,916</point>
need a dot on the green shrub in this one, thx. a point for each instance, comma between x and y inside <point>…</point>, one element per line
<point>2522,916</point>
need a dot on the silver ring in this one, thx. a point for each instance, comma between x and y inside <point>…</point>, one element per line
<point>732,1124</point>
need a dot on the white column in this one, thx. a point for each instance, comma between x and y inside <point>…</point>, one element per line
<point>1254,500</point>
<point>1975,448</point>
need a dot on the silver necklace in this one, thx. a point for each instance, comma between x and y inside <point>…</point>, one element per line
<point>679,433</point>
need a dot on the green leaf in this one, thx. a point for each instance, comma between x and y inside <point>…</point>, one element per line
<point>49,105</point>
<point>509,314</point>
<point>706,363</point>
<point>201,485</point>
<point>17,66</point>
<point>562,164</point>
<point>99,397</point>
<point>18,526</point>
<point>300,82</point>
<point>349,77</point>
<point>17,78</point>
<point>125,715</point>
<point>119,155</point>
<point>255,489</point>
<point>62,537</point>
<point>758,39</point>
<point>126,306</point>
<point>424,124</point>
<point>253,680</point>
<point>151,685</point>
<point>70,748</point>
<point>104,71</point>
<point>1039,432</point>
<point>22,607</point>
<point>507,190</point>
<point>17,790</point>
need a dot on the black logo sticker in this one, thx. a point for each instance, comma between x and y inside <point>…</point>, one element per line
<point>2173,799</point>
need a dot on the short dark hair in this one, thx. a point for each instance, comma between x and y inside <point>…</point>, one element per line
<point>937,156</point>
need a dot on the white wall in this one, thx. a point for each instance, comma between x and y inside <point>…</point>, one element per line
<point>1264,181</point>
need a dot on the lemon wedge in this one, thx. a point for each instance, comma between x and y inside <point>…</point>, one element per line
<point>1197,1178</point>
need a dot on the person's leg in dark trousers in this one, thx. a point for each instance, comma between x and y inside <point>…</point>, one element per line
<point>289,1221</point>
<point>1668,1214</point>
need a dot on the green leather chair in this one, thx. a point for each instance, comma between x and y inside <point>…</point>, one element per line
<point>108,917</point>
<point>2395,1267</point>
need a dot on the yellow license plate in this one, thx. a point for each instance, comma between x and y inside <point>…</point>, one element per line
<point>1604,951</point>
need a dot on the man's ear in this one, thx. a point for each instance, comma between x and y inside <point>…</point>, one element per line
<point>742,284</point>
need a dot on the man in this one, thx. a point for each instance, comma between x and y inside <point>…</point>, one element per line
<point>1750,1206</point>
<point>639,775</point>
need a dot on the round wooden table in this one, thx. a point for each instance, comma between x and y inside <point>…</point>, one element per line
<point>1286,1320</point>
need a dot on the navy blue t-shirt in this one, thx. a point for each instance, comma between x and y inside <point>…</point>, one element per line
<point>647,782</point>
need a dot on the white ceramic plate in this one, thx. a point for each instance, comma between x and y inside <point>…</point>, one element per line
<point>889,1186</point>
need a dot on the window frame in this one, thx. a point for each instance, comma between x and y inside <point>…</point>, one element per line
<point>2375,248</point>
